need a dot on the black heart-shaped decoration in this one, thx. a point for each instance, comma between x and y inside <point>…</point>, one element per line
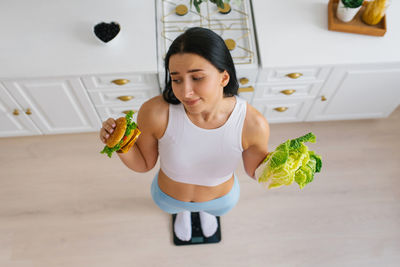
<point>106,31</point>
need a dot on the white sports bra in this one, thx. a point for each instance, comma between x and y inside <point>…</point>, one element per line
<point>193,155</point>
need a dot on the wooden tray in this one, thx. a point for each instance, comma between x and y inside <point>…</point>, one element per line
<point>356,25</point>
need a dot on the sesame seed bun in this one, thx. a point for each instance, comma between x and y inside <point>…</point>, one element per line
<point>118,132</point>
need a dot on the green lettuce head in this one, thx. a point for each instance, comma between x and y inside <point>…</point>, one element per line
<point>291,161</point>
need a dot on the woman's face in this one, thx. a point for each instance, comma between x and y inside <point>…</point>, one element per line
<point>196,82</point>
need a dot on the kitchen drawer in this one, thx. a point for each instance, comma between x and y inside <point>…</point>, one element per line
<point>284,111</point>
<point>287,91</point>
<point>247,80</point>
<point>246,77</point>
<point>112,97</point>
<point>306,74</point>
<point>133,80</point>
<point>116,112</point>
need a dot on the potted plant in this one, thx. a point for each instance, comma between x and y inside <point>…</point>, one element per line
<point>347,9</point>
<point>219,3</point>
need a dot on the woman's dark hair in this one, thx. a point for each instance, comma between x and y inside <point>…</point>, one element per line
<point>207,44</point>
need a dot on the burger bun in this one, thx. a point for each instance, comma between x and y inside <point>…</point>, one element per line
<point>129,142</point>
<point>118,133</point>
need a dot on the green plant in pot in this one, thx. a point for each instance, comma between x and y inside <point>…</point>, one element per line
<point>220,4</point>
<point>347,9</point>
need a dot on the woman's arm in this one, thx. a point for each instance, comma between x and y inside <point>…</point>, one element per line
<point>152,121</point>
<point>255,140</point>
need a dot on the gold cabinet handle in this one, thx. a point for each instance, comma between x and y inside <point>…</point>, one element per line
<point>246,89</point>
<point>323,98</point>
<point>16,112</point>
<point>28,111</point>
<point>288,91</point>
<point>294,75</point>
<point>125,97</point>
<point>120,81</point>
<point>243,81</point>
<point>281,109</point>
<point>127,111</point>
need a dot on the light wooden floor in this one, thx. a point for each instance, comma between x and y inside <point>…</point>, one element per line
<point>64,204</point>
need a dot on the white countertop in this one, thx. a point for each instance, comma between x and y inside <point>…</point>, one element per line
<point>295,33</point>
<point>55,37</point>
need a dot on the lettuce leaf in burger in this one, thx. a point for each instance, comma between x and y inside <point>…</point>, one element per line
<point>123,137</point>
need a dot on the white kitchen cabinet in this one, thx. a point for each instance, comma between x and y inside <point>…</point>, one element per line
<point>54,105</point>
<point>286,94</point>
<point>13,119</point>
<point>114,95</point>
<point>358,92</point>
<point>247,80</point>
<point>357,74</point>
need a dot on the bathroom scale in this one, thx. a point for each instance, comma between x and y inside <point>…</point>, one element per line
<point>197,234</point>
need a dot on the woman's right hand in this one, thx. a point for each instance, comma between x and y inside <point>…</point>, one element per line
<point>107,128</point>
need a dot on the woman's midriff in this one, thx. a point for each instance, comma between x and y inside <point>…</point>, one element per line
<point>190,192</point>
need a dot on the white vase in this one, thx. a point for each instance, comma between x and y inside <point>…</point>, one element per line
<point>346,14</point>
<point>112,42</point>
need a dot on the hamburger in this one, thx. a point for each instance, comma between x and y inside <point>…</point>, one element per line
<point>123,137</point>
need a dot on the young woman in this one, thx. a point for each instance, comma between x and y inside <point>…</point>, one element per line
<point>200,129</point>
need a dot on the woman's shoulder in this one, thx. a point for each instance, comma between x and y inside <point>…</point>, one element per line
<point>255,126</point>
<point>254,118</point>
<point>153,115</point>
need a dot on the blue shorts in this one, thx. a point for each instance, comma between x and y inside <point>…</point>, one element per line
<point>216,207</point>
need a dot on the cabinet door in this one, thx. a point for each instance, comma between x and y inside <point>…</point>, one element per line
<point>13,120</point>
<point>114,94</point>
<point>115,112</point>
<point>358,92</point>
<point>56,105</point>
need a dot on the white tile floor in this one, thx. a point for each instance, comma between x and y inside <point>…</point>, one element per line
<point>64,204</point>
